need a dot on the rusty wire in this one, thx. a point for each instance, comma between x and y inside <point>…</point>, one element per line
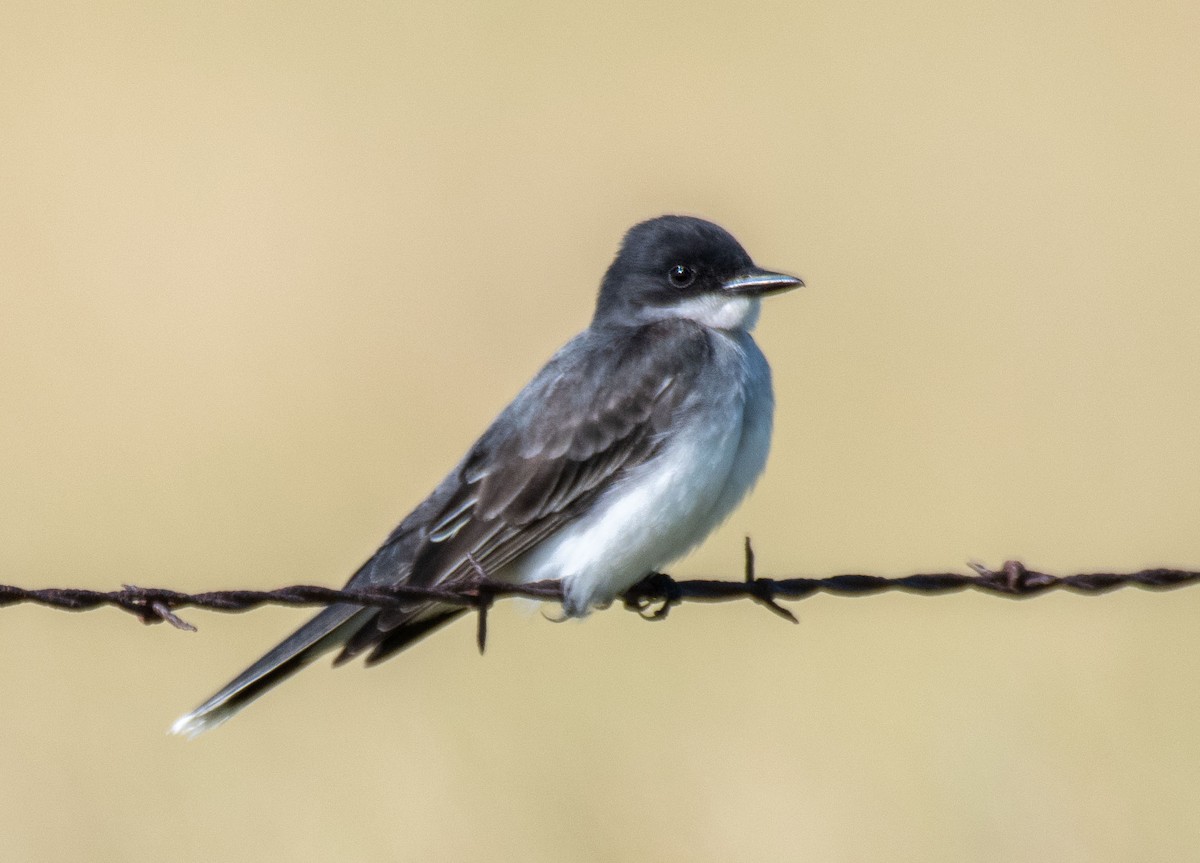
<point>652,598</point>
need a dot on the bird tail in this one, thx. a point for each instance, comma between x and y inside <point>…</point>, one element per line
<point>325,632</point>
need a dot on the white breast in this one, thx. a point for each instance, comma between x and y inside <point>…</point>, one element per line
<point>668,505</point>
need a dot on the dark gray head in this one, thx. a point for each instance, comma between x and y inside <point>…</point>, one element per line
<point>679,266</point>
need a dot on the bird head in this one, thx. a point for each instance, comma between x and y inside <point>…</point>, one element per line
<point>684,267</point>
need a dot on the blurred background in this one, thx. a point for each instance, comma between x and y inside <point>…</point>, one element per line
<point>266,273</point>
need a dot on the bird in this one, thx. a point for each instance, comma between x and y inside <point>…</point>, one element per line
<point>634,441</point>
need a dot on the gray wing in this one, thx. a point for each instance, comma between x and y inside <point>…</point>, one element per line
<point>598,409</point>
<point>594,412</point>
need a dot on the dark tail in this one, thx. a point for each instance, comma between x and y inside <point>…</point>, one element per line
<point>325,632</point>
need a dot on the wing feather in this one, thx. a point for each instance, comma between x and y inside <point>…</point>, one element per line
<point>596,411</point>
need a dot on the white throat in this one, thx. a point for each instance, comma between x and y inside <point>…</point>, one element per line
<point>718,312</point>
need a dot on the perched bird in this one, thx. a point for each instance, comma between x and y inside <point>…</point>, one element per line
<point>633,442</point>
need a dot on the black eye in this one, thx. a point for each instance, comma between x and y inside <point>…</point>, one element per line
<point>681,275</point>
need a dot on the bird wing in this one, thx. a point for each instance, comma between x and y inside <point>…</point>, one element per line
<point>598,409</point>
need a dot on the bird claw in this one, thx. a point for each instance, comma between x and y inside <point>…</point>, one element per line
<point>657,587</point>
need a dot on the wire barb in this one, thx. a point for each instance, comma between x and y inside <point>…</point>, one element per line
<point>152,610</point>
<point>484,600</point>
<point>764,588</point>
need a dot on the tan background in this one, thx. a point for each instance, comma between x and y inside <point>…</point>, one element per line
<point>266,273</point>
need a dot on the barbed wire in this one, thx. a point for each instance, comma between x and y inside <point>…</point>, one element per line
<point>652,598</point>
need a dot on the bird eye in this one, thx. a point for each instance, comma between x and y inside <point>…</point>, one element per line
<point>681,275</point>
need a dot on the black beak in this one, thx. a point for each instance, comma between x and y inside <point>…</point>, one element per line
<point>757,282</point>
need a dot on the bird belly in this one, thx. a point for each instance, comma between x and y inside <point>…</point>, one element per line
<point>664,508</point>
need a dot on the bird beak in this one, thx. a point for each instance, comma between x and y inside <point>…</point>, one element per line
<point>757,282</point>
